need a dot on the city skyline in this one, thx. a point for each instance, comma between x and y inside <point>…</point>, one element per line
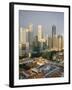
<point>53,42</point>
<point>46,19</point>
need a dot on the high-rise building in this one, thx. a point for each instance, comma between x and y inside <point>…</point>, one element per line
<point>29,38</point>
<point>55,42</point>
<point>53,30</point>
<point>22,36</point>
<point>40,33</point>
<point>60,42</point>
<point>46,40</point>
<point>30,27</point>
<point>49,42</point>
<point>30,34</point>
<point>22,41</point>
<point>53,36</point>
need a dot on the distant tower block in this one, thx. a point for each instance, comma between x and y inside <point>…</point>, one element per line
<point>30,34</point>
<point>22,36</point>
<point>53,35</point>
<point>40,33</point>
<point>49,42</point>
<point>30,27</point>
<point>53,30</point>
<point>60,42</point>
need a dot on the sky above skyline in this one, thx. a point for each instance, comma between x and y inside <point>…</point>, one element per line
<point>44,18</point>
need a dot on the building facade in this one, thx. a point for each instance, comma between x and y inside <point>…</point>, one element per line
<point>40,33</point>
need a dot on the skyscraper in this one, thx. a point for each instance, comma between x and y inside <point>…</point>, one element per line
<point>46,40</point>
<point>30,27</point>
<point>60,42</point>
<point>22,36</point>
<point>22,41</point>
<point>40,33</point>
<point>49,42</point>
<point>53,36</point>
<point>53,30</point>
<point>30,34</point>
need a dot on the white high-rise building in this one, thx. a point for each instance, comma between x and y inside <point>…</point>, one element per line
<point>22,41</point>
<point>30,27</point>
<point>40,33</point>
<point>49,42</point>
<point>60,42</point>
<point>55,42</point>
<point>30,34</point>
<point>27,30</point>
<point>22,37</point>
<point>27,39</point>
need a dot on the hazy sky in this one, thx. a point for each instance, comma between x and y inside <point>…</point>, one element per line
<point>44,18</point>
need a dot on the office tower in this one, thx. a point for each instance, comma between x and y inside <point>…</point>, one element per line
<point>30,27</point>
<point>40,33</point>
<point>60,42</point>
<point>55,42</point>
<point>53,36</point>
<point>30,34</point>
<point>49,42</point>
<point>53,30</point>
<point>22,41</point>
<point>46,40</point>
<point>27,35</point>
<point>22,36</point>
<point>29,38</point>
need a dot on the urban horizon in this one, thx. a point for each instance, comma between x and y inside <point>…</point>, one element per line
<point>46,19</point>
<point>42,37</point>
